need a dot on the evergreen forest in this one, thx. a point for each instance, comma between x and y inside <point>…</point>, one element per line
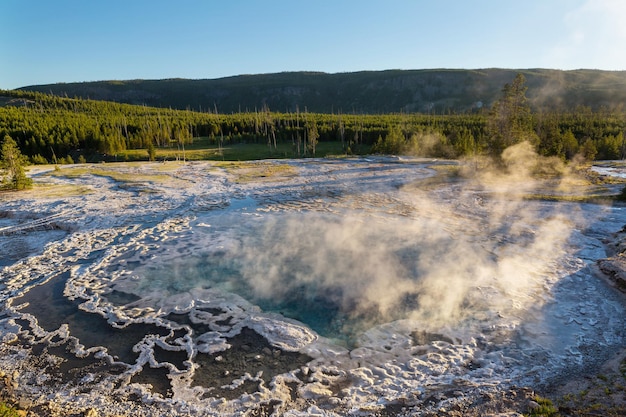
<point>54,129</point>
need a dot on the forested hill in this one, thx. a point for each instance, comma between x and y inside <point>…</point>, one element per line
<point>426,91</point>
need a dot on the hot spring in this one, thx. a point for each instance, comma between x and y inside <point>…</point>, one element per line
<point>352,287</point>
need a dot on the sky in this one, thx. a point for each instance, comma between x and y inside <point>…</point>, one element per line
<point>52,41</point>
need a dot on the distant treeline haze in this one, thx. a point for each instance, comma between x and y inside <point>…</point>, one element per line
<point>55,129</point>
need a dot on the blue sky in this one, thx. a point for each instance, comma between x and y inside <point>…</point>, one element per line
<point>49,41</point>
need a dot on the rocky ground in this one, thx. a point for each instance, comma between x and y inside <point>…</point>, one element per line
<point>614,267</point>
<point>601,392</point>
<point>598,392</point>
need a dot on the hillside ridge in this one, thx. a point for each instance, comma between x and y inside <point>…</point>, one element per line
<point>374,92</point>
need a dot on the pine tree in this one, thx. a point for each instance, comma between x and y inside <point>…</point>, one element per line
<point>151,151</point>
<point>12,163</point>
<point>312,136</point>
<point>510,120</point>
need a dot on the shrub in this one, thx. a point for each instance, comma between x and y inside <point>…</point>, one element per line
<point>545,408</point>
<point>38,160</point>
<point>8,411</point>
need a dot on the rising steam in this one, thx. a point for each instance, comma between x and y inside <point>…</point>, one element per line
<point>474,247</point>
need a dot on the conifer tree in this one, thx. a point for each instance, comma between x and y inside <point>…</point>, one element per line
<point>12,163</point>
<point>510,120</point>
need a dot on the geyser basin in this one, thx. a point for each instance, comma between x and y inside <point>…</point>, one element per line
<point>348,288</point>
<point>339,274</point>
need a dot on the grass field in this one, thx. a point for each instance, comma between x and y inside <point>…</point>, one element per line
<point>204,149</point>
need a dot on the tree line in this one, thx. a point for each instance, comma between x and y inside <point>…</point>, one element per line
<point>52,129</point>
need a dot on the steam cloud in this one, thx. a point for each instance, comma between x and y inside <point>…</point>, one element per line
<point>479,246</point>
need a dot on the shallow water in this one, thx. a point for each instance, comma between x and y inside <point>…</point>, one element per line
<point>346,288</point>
<point>618,170</point>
